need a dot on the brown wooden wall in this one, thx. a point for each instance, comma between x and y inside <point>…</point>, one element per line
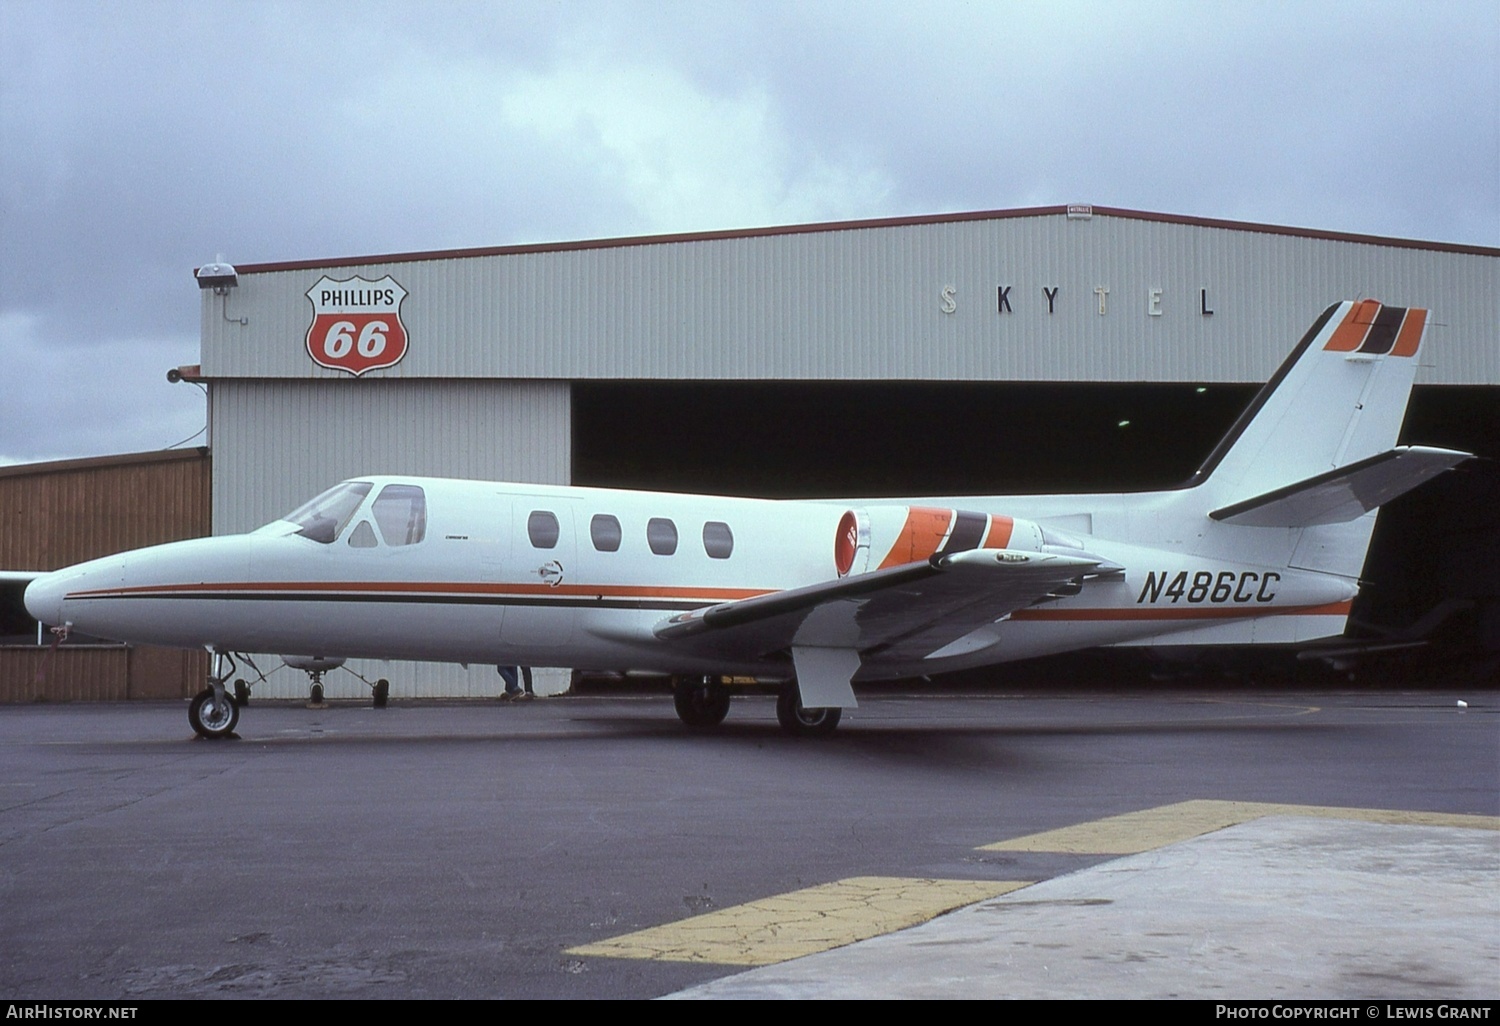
<point>99,673</point>
<point>56,514</point>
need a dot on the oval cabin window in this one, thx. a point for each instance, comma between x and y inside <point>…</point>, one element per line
<point>605,532</point>
<point>542,529</point>
<point>718,540</point>
<point>661,535</point>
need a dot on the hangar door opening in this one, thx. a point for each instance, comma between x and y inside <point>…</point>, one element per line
<point>1434,564</point>
<point>804,439</point>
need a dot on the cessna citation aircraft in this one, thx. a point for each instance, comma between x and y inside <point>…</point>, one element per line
<point>1264,543</point>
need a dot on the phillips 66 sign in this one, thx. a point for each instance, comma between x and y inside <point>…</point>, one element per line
<point>356,325</point>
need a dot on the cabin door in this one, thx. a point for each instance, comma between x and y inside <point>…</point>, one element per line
<point>543,556</point>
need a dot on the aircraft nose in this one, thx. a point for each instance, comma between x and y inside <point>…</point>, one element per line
<point>44,598</point>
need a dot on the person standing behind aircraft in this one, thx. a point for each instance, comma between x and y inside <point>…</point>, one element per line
<point>513,677</point>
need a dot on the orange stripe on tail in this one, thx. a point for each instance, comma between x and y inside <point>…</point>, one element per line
<point>1411,333</point>
<point>1350,335</point>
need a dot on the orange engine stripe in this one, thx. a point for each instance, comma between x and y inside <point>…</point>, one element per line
<point>1411,333</point>
<point>920,537</point>
<point>1350,335</point>
<point>1001,528</point>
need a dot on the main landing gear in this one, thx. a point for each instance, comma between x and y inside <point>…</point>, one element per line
<point>703,702</point>
<point>799,721</point>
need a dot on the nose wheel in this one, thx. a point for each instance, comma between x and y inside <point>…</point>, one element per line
<point>213,713</point>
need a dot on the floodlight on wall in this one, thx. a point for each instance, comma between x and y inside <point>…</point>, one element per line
<point>221,277</point>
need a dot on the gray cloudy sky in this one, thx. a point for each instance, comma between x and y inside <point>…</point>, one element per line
<point>139,140</point>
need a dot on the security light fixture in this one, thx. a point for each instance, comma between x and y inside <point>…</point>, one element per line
<point>219,276</point>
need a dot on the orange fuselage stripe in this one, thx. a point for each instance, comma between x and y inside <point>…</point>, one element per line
<point>439,588</point>
<point>1192,613</point>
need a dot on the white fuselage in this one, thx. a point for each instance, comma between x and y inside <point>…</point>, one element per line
<point>538,575</point>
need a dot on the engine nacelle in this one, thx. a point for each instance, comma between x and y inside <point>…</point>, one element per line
<point>885,536</point>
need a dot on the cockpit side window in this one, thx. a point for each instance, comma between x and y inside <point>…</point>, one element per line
<point>401,514</point>
<point>363,536</point>
<point>324,517</point>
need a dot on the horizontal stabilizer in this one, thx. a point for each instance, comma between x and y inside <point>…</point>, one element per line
<point>1345,494</point>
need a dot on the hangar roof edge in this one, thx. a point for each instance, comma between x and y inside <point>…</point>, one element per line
<point>100,462</point>
<point>838,226</point>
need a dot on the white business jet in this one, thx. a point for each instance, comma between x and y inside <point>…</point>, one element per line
<point>1264,544</point>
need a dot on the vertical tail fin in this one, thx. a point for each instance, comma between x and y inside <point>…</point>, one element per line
<point>1339,398</point>
<point>1314,451</point>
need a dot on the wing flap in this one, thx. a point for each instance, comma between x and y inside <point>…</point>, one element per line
<point>1344,494</point>
<point>915,608</point>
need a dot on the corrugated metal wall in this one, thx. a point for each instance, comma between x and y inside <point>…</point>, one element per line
<point>277,444</point>
<point>56,514</point>
<point>868,303</point>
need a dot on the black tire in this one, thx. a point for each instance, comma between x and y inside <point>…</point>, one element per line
<point>211,720</point>
<point>800,722</point>
<point>701,705</point>
<point>382,693</point>
<point>241,693</point>
<point>317,695</point>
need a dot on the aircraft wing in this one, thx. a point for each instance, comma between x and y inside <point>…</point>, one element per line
<point>1345,493</point>
<point>901,612</point>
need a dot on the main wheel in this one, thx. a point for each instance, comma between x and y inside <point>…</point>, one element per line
<point>701,705</point>
<point>213,718</point>
<point>802,722</point>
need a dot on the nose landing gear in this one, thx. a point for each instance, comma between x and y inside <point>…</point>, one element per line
<point>213,712</point>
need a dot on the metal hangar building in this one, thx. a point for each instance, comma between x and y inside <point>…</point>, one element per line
<point>1045,349</point>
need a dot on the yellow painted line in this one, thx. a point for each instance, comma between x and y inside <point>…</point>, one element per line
<point>787,926</point>
<point>1135,832</point>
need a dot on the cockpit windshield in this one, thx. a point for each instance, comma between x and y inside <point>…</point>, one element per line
<point>324,517</point>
